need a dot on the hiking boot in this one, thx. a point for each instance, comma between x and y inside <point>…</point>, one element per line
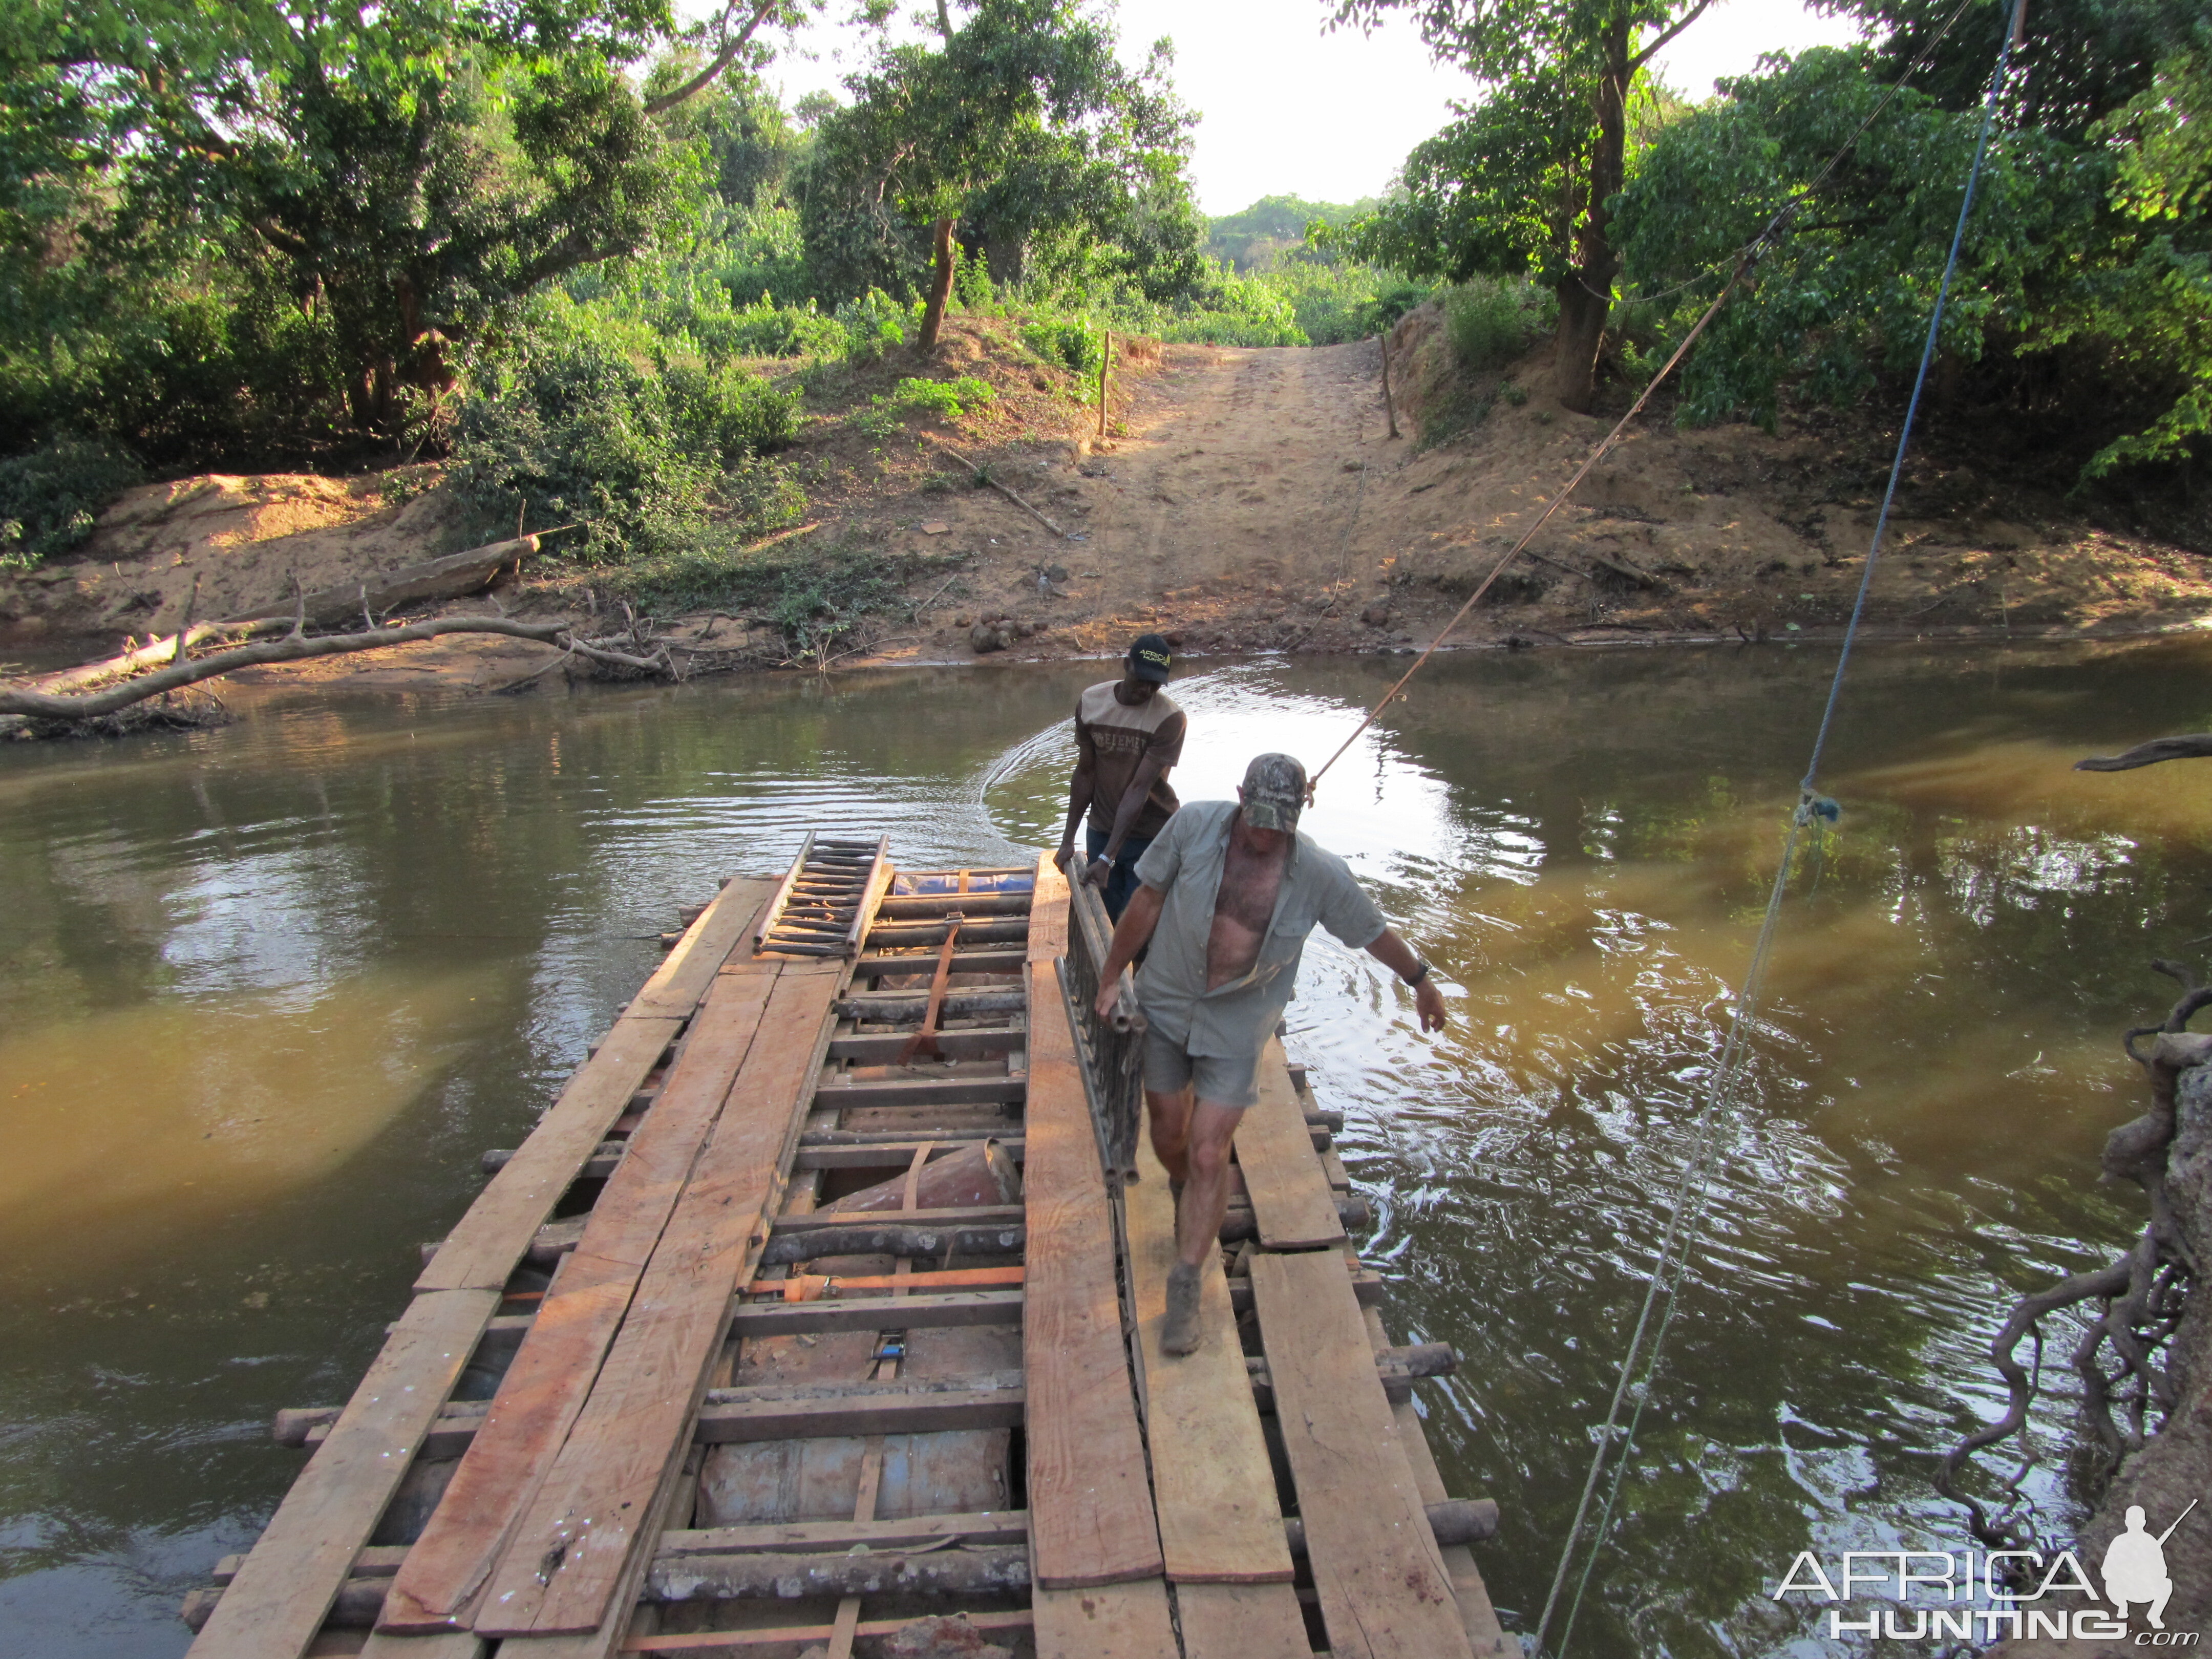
<point>1179,1332</point>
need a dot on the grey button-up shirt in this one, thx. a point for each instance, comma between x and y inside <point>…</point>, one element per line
<point>1234,1020</point>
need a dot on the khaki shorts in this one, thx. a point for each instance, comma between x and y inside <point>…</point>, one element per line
<point>1169,1070</point>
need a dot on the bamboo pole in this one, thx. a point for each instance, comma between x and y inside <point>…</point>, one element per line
<point>1389,408</point>
<point>1105,361</point>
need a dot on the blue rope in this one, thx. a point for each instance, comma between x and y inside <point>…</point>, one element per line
<point>1686,1218</point>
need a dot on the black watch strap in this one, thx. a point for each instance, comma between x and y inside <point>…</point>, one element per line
<point>1420,972</point>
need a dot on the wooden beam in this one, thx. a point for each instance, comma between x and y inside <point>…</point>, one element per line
<point>1383,1589</point>
<point>916,1091</point>
<point>1090,1505</point>
<point>965,1571</point>
<point>892,1150</point>
<point>974,1215</point>
<point>306,1553</point>
<point>1212,1485</point>
<point>880,1313</point>
<point>884,1048</point>
<point>810,1537</point>
<point>708,1645</point>
<point>1115,1621</point>
<point>862,1409</point>
<point>1291,1200</point>
<point>1000,961</point>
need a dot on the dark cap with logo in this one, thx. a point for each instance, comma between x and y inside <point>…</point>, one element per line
<point>1149,658</point>
<point>1274,793</point>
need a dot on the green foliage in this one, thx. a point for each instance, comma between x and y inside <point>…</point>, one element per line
<point>601,422</point>
<point>1490,323</point>
<point>1075,343</point>
<point>2083,280</point>
<point>874,323</point>
<point>1333,302</point>
<point>1273,227</point>
<point>49,498</point>
<point>947,399</point>
<point>1023,128</point>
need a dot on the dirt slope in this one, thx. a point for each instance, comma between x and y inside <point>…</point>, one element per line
<point>1251,499</point>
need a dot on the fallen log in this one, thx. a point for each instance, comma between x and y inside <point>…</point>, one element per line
<point>297,647</point>
<point>447,578</point>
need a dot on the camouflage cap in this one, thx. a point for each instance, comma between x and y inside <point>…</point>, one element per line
<point>1274,793</point>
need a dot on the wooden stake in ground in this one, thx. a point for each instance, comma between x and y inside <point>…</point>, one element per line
<point>1105,361</point>
<point>1389,408</point>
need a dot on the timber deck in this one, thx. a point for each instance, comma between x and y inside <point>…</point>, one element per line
<point>810,1310</point>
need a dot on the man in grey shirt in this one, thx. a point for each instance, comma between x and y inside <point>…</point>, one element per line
<point>1229,891</point>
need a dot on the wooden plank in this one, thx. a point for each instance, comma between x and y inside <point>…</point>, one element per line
<point>1212,1485</point>
<point>274,1607</point>
<point>496,1231</point>
<point>447,1644</point>
<point>764,923</point>
<point>1242,1621</point>
<point>726,1422</point>
<point>1090,1505</point>
<point>909,1092</point>
<point>880,1313</point>
<point>562,1570</point>
<point>808,1537</point>
<point>1476,1613</point>
<point>1384,1590</point>
<point>973,1215</point>
<point>894,1151</point>
<point>680,983</point>
<point>884,1048</point>
<point>545,1386</point>
<point>695,1643</point>
<point>1003,960</point>
<point>1290,1199</point>
<point>1117,1621</point>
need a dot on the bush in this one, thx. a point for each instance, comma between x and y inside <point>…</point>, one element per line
<point>874,323</point>
<point>1074,344</point>
<point>1490,323</point>
<point>768,329</point>
<point>49,498</point>
<point>584,425</point>
<point>947,399</point>
<point>1331,304</point>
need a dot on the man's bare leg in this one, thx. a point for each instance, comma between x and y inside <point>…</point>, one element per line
<point>1169,1117</point>
<point>1198,1219</point>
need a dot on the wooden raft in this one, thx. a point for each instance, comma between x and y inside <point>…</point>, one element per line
<point>808,1311</point>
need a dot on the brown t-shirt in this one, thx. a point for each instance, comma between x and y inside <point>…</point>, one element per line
<point>1114,736</point>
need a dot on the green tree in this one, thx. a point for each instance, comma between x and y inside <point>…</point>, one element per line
<point>398,175</point>
<point>1019,123</point>
<point>1523,183</point>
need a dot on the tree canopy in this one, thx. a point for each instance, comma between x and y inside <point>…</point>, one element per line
<point>1523,182</point>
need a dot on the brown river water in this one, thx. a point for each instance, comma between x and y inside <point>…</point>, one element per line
<point>267,992</point>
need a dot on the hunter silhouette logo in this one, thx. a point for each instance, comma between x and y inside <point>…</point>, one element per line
<point>2135,1566</point>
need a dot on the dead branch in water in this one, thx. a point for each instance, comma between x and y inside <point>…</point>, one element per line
<point>2193,747</point>
<point>297,647</point>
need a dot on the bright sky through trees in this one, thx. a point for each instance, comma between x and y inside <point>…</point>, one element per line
<point>1289,110</point>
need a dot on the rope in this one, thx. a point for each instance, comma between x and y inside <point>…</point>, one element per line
<point>1693,1192</point>
<point>1744,261</point>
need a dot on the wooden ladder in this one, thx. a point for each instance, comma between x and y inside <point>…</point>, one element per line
<point>823,903</point>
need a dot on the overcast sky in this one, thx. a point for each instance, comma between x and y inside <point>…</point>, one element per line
<point>1289,110</point>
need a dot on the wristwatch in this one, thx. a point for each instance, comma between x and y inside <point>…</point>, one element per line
<point>1420,973</point>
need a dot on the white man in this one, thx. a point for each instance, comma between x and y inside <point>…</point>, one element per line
<point>1127,733</point>
<point>1228,893</point>
<point>2135,1569</point>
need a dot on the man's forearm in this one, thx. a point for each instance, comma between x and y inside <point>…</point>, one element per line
<point>1394,954</point>
<point>1131,807</point>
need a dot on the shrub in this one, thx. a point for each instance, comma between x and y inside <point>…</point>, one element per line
<point>768,329</point>
<point>1074,344</point>
<point>874,323</point>
<point>947,399</point>
<point>1490,323</point>
<point>49,498</point>
<point>582,424</point>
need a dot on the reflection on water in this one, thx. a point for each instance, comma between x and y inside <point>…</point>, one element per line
<point>266,992</point>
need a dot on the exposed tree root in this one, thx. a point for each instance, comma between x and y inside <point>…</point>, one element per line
<point>2127,1390</point>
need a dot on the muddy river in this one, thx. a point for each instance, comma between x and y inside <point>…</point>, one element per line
<point>267,992</point>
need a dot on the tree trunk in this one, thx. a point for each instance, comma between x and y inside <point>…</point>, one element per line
<point>1586,294</point>
<point>940,286</point>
